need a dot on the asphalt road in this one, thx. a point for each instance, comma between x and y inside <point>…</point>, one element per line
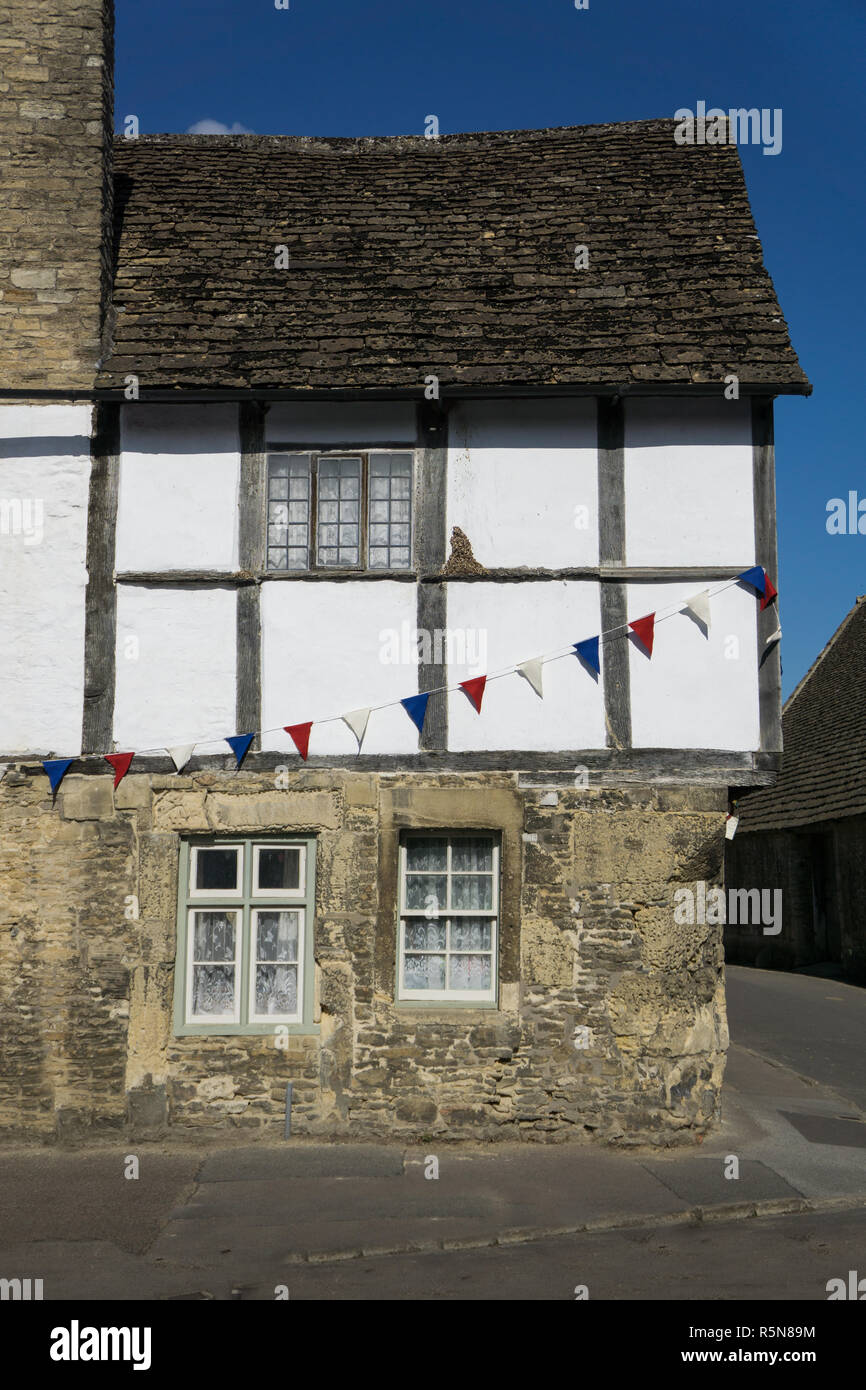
<point>816,1027</point>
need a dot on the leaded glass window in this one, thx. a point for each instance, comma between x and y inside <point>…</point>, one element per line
<point>339,511</point>
<point>449,905</point>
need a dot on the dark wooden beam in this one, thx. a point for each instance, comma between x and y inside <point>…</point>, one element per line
<point>766,554</point>
<point>251,558</point>
<point>100,603</point>
<point>429,557</point>
<point>676,766</point>
<point>616,675</point>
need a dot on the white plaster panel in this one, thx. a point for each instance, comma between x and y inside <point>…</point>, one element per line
<point>695,692</point>
<point>44,484</point>
<point>523,481</point>
<point>326,650</point>
<point>515,622</point>
<point>178,497</point>
<point>688,482</point>
<point>175,668</point>
<point>343,422</point>
<point>45,473</point>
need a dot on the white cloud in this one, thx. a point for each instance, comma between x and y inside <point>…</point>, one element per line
<point>209,127</point>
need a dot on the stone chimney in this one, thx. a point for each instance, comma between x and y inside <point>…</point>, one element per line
<point>56,122</point>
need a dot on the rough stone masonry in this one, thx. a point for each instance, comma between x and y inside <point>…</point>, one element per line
<point>610,1021</point>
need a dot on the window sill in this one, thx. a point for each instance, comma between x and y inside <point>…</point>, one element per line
<point>246,1030</point>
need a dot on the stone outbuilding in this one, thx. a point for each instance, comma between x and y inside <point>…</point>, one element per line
<point>805,836</point>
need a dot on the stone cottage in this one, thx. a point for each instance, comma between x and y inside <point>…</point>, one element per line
<point>293,431</point>
<point>804,837</point>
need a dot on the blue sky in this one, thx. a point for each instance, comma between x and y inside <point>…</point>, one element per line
<point>346,67</point>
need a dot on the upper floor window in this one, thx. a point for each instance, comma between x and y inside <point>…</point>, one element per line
<point>339,511</point>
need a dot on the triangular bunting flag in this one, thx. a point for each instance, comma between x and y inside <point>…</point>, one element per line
<point>475,690</point>
<point>699,606</point>
<point>769,591</point>
<point>756,576</point>
<point>773,637</point>
<point>416,708</point>
<point>180,755</point>
<point>731,823</point>
<point>644,629</point>
<point>588,650</point>
<point>531,671</point>
<point>4,768</point>
<point>357,722</point>
<point>56,769</point>
<point>239,744</point>
<point>120,762</point>
<point>300,736</point>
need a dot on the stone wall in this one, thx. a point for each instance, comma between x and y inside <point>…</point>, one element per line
<point>56,117</point>
<point>588,938</point>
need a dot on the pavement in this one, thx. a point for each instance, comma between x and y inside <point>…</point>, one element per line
<point>507,1220</point>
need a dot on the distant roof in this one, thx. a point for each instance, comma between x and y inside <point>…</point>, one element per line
<point>453,257</point>
<point>823,773</point>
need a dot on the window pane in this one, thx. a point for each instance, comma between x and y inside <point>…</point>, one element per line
<point>469,972</point>
<point>288,478</point>
<point>277,934</point>
<point>424,936</point>
<point>471,934</point>
<point>378,558</point>
<point>216,869</point>
<point>329,511</point>
<point>279,867</point>
<point>425,854</point>
<point>472,856</point>
<point>213,936</point>
<point>425,892</point>
<point>472,891</point>
<point>399,560</point>
<point>213,989</point>
<point>328,486</point>
<point>276,989</point>
<point>424,972</point>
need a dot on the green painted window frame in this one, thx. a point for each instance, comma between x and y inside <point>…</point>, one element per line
<point>245,903</point>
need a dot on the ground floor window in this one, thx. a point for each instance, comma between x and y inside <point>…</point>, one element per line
<point>449,917</point>
<point>244,960</point>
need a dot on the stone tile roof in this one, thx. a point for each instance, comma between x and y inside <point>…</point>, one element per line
<point>823,774</point>
<point>453,257</point>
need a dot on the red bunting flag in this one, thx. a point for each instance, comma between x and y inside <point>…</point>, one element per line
<point>120,762</point>
<point>475,690</point>
<point>644,628</point>
<point>300,736</point>
<point>769,592</point>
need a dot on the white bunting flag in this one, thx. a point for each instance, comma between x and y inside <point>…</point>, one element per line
<point>357,722</point>
<point>531,671</point>
<point>731,827</point>
<point>181,755</point>
<point>773,637</point>
<point>699,606</point>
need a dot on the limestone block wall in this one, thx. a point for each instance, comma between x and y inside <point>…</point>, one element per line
<point>588,940</point>
<point>56,117</point>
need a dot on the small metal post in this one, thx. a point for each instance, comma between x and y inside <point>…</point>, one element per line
<point>288,1110</point>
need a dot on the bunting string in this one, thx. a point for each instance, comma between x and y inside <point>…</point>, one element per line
<point>589,650</point>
